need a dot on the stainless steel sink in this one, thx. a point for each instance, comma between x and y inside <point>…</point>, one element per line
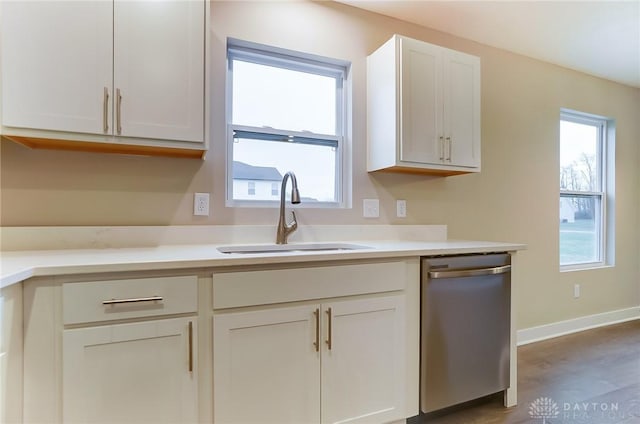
<point>282,248</point>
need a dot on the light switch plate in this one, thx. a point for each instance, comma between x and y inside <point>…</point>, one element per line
<point>371,208</point>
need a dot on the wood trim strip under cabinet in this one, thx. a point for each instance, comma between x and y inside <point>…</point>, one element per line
<point>99,147</point>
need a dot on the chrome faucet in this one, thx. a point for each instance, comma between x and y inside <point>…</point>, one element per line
<point>285,229</point>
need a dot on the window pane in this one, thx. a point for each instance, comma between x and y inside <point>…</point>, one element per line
<point>266,162</point>
<point>268,96</point>
<point>580,224</point>
<point>579,165</point>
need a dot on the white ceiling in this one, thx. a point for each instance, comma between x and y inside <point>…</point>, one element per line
<point>600,38</point>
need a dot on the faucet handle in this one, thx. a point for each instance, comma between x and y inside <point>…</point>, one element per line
<point>294,224</point>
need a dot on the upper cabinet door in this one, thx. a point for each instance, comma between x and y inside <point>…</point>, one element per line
<point>421,100</point>
<point>462,108</point>
<point>159,69</point>
<point>57,57</point>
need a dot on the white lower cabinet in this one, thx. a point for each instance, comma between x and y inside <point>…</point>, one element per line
<point>11,354</point>
<point>265,366</point>
<point>363,371</point>
<point>116,350</point>
<point>140,372</point>
<point>335,361</point>
<point>302,343</point>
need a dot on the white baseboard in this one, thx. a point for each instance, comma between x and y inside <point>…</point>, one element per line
<point>549,331</point>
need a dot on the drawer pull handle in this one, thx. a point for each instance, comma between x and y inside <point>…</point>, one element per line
<point>133,300</point>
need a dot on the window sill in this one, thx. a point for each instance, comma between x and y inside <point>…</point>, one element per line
<point>585,267</point>
<point>276,204</point>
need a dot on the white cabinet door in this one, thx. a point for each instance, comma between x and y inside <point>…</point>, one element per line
<point>421,102</point>
<point>56,64</point>
<point>135,373</point>
<point>11,354</point>
<point>266,367</point>
<point>462,108</point>
<point>159,69</point>
<point>363,373</point>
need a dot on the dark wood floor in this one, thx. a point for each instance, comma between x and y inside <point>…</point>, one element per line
<point>593,377</point>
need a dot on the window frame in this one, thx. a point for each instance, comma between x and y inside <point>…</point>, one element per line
<point>301,62</point>
<point>602,196</point>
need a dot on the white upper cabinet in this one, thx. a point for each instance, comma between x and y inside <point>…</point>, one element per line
<point>105,71</point>
<point>159,69</point>
<point>423,109</point>
<point>56,62</point>
<point>461,85</point>
<point>421,102</point>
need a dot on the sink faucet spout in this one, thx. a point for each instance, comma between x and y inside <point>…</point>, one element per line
<point>285,229</point>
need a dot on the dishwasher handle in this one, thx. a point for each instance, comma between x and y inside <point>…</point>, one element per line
<point>473,272</point>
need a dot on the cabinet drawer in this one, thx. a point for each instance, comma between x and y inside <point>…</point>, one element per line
<point>246,288</point>
<point>133,298</point>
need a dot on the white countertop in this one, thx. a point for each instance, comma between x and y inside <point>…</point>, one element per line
<point>17,266</point>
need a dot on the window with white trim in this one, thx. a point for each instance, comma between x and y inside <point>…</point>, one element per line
<point>285,112</point>
<point>584,194</point>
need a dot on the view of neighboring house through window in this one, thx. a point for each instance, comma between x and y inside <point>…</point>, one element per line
<point>251,182</point>
<point>583,189</point>
<point>286,113</point>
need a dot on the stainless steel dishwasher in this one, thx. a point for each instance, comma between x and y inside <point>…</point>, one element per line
<point>465,328</point>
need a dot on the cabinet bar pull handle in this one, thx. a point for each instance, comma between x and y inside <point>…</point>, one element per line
<point>118,111</point>
<point>449,143</point>
<point>329,339</point>
<point>190,346</point>
<point>441,148</point>
<point>105,110</point>
<point>316,313</point>
<point>133,300</point>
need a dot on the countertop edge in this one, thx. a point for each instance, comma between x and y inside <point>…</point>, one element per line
<point>20,266</point>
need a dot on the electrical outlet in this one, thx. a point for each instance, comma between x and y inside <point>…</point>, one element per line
<point>401,208</point>
<point>371,208</point>
<point>576,291</point>
<point>201,204</point>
